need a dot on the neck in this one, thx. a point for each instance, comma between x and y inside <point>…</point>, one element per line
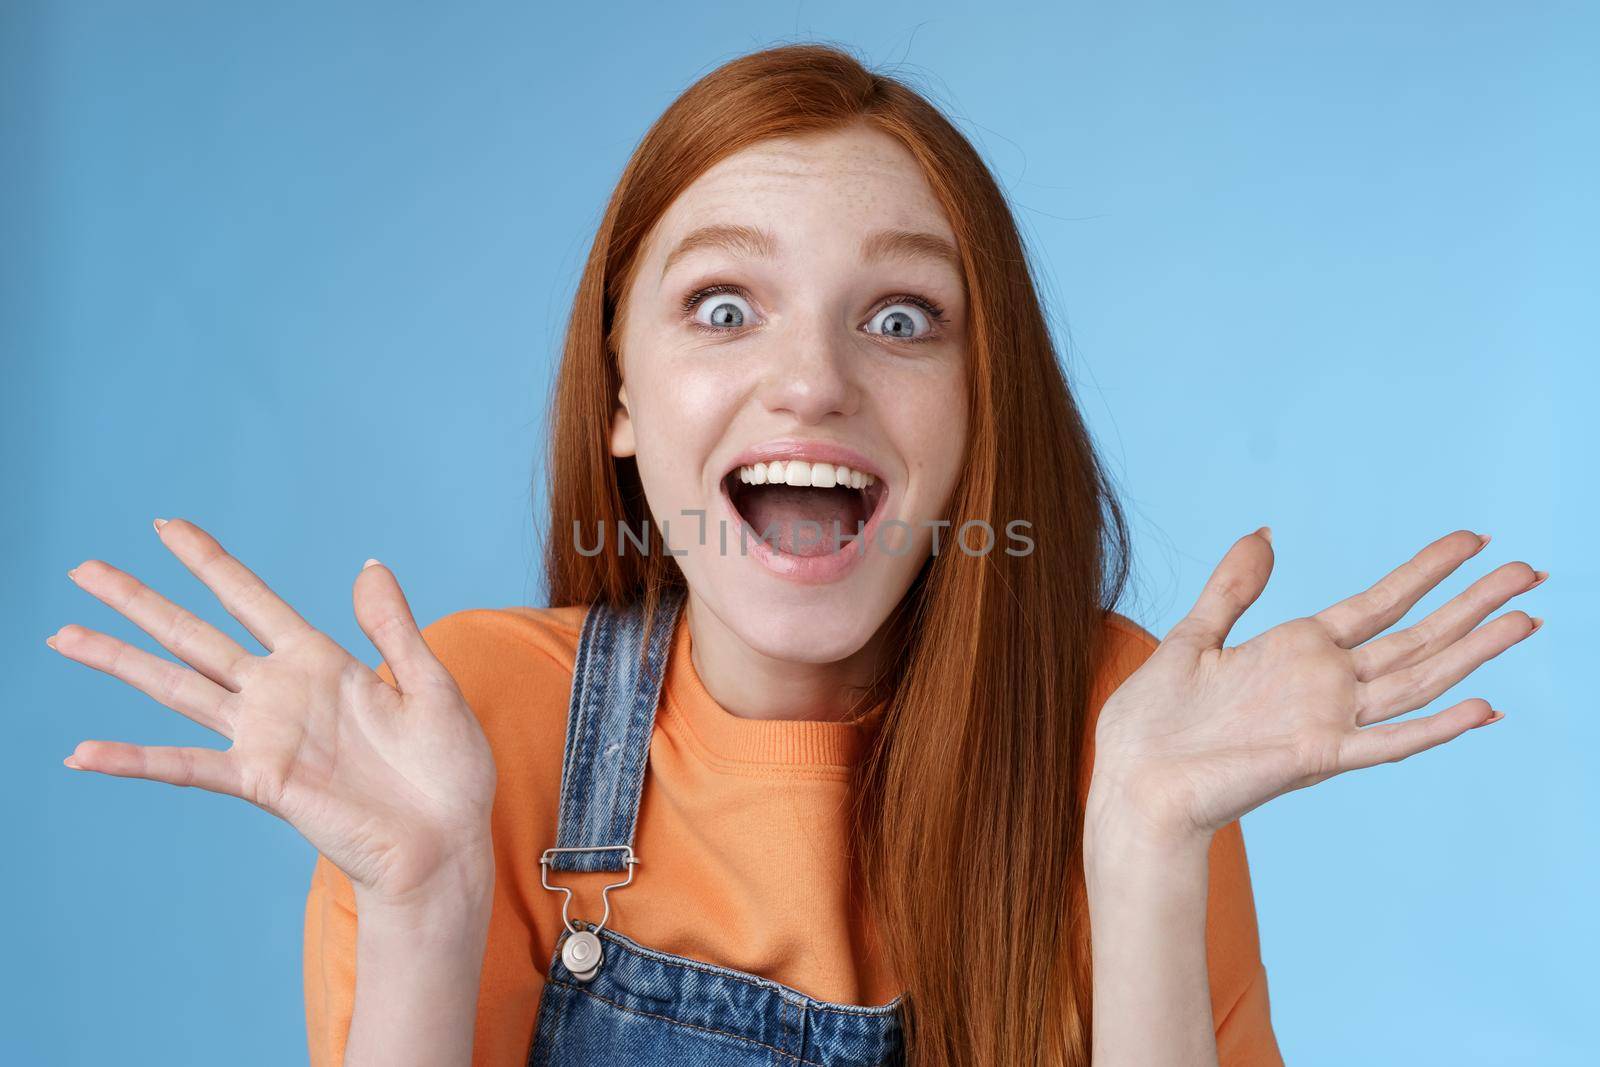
<point>752,685</point>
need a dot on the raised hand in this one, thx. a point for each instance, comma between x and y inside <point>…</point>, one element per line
<point>393,784</point>
<point>1201,733</point>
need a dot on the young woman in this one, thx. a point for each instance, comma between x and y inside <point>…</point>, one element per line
<point>743,795</point>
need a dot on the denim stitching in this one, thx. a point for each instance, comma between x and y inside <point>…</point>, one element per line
<point>592,720</point>
<point>593,725</point>
<point>574,703</point>
<point>572,770</point>
<point>627,778</point>
<point>541,1034</point>
<point>636,732</point>
<point>679,1022</point>
<point>607,787</point>
<point>684,962</point>
<point>783,1028</point>
<point>614,701</point>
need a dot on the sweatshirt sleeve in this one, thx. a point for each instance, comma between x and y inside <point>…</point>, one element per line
<point>1239,1007</point>
<point>329,963</point>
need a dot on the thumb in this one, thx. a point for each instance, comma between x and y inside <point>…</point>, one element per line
<point>386,619</point>
<point>1236,583</point>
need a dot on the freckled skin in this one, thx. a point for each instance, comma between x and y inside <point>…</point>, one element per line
<point>803,364</point>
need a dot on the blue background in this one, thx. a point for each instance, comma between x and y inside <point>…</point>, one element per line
<point>300,274</point>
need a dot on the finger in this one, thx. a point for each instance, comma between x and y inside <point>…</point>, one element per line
<point>1229,592</point>
<point>245,596</point>
<point>1397,740</point>
<point>177,687</point>
<point>1361,617</point>
<point>1447,624</point>
<point>196,642</point>
<point>205,768</point>
<point>386,618</point>
<point>1407,690</point>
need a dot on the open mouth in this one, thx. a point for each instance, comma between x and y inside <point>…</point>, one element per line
<point>801,508</point>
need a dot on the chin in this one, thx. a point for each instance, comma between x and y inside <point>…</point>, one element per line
<point>800,623</point>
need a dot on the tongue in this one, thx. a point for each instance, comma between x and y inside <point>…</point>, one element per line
<point>802,521</point>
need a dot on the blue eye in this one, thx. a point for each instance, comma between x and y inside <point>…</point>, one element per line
<point>902,322</point>
<point>719,309</point>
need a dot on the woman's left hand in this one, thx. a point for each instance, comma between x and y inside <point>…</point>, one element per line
<point>1201,734</point>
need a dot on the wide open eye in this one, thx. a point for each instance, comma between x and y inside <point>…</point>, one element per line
<point>722,310</point>
<point>901,322</point>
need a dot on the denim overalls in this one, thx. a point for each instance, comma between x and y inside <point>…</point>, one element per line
<point>638,1005</point>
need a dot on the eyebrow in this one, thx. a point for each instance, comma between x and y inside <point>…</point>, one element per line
<point>755,243</point>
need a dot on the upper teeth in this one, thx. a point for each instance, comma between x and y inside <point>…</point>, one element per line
<point>799,472</point>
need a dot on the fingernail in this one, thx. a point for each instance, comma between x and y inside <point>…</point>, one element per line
<point>1484,539</point>
<point>1537,622</point>
<point>51,640</point>
<point>1266,531</point>
<point>159,523</point>
<point>73,574</point>
<point>1539,576</point>
<point>1494,717</point>
<point>369,563</point>
<point>72,762</point>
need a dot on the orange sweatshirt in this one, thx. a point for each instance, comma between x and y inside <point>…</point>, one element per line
<point>741,840</point>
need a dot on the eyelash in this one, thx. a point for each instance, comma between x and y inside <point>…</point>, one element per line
<point>932,310</point>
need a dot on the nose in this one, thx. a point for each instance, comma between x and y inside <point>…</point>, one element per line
<point>810,377</point>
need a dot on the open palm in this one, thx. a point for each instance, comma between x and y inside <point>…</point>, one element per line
<point>1202,733</point>
<point>392,783</point>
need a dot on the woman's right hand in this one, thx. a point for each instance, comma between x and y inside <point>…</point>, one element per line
<point>392,783</point>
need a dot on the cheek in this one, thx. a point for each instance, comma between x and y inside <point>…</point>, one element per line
<point>927,418</point>
<point>680,410</point>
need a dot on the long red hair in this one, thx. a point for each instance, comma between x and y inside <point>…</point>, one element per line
<point>970,806</point>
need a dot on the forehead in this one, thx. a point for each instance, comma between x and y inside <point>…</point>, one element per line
<point>849,180</point>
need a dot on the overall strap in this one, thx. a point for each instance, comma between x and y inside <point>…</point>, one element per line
<point>616,684</point>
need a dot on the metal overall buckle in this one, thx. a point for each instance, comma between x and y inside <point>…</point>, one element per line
<point>581,952</point>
